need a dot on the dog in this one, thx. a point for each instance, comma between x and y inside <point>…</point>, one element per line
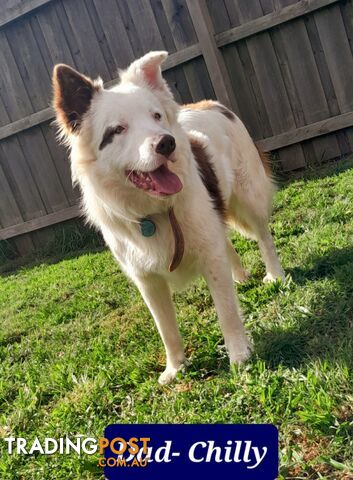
<point>164,183</point>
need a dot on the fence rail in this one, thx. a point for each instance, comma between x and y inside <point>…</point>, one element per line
<point>284,66</point>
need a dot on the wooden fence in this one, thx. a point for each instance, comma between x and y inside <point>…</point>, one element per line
<point>285,66</point>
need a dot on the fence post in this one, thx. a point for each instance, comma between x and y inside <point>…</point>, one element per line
<point>211,54</point>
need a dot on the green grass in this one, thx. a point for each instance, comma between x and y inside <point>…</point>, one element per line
<point>78,349</point>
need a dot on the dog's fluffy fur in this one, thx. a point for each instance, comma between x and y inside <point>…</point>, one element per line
<point>113,135</point>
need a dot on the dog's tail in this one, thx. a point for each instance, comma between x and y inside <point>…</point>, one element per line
<point>266,162</point>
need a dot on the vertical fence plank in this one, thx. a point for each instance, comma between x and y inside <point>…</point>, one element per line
<point>146,25</point>
<point>11,215</point>
<point>37,88</point>
<point>246,90</point>
<point>176,77</point>
<point>219,15</point>
<point>347,16</point>
<point>54,36</point>
<point>241,72</point>
<point>31,67</point>
<point>9,212</point>
<point>83,43</point>
<point>338,54</point>
<point>326,82</point>
<point>272,86</point>
<point>183,34</point>
<point>115,32</point>
<point>308,92</point>
<point>19,176</point>
<point>62,163</point>
<point>13,92</point>
<point>213,58</point>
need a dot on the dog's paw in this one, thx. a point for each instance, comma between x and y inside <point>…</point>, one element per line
<point>167,376</point>
<point>241,351</point>
<point>170,373</point>
<point>270,277</point>
<point>240,276</point>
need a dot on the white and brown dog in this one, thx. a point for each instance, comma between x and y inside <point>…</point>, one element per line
<point>163,183</point>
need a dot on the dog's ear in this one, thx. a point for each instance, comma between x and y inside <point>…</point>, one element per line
<point>147,70</point>
<point>73,93</point>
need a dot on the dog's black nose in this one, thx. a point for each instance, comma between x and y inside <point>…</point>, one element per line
<point>166,145</point>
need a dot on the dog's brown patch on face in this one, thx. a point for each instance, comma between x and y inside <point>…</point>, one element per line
<point>208,176</point>
<point>266,162</point>
<point>210,105</point>
<point>73,93</point>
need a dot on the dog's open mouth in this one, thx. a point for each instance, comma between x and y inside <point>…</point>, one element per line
<point>158,182</point>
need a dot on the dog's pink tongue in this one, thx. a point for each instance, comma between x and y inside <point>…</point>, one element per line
<point>165,182</point>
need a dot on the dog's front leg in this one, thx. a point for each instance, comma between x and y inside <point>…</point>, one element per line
<point>157,296</point>
<point>219,279</point>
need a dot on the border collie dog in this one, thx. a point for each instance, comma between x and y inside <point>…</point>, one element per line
<point>164,183</point>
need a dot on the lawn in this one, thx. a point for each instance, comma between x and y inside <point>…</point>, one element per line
<point>78,348</point>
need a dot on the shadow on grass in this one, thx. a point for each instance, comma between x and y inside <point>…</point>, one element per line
<point>311,172</point>
<point>68,240</point>
<point>326,329</point>
<point>12,267</point>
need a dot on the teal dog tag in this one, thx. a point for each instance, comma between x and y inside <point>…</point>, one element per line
<point>147,227</point>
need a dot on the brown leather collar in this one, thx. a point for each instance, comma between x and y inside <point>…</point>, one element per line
<point>178,241</point>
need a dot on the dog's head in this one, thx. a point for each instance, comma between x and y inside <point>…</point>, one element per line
<point>129,133</point>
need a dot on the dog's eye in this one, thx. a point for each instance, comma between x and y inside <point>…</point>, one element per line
<point>157,116</point>
<point>119,129</point>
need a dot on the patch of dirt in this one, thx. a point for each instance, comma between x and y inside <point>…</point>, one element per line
<point>311,450</point>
